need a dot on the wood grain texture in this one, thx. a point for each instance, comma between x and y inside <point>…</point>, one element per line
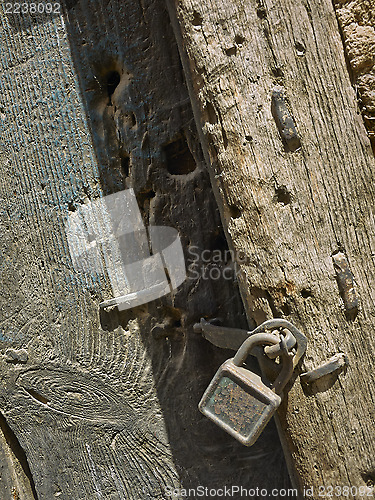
<point>104,405</point>
<point>290,212</point>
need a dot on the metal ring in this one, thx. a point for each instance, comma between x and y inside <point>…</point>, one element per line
<point>290,341</point>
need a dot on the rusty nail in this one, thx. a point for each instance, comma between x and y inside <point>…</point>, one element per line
<point>337,363</point>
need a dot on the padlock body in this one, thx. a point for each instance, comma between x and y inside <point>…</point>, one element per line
<point>239,402</point>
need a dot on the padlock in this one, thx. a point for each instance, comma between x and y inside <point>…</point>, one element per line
<point>238,400</point>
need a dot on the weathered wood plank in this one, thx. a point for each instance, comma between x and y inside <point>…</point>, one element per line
<point>105,406</point>
<point>291,212</point>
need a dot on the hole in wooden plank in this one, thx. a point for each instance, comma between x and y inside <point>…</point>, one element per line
<point>306,293</point>
<point>277,72</point>
<point>369,478</point>
<point>125,165</point>
<point>239,40</point>
<point>282,195</point>
<point>113,79</point>
<point>232,51</point>
<point>301,50</point>
<point>261,12</point>
<point>197,19</point>
<point>179,159</point>
<point>235,212</point>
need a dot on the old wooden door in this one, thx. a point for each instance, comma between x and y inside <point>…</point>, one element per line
<point>94,403</point>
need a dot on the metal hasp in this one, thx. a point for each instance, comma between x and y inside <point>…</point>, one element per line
<point>238,400</point>
<point>233,338</point>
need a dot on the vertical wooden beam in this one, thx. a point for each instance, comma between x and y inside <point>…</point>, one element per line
<point>292,211</point>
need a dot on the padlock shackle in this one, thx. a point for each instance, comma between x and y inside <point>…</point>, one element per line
<point>249,344</point>
<point>285,374</point>
<point>266,339</point>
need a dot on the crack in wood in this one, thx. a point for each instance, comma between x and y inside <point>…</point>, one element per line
<point>18,452</point>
